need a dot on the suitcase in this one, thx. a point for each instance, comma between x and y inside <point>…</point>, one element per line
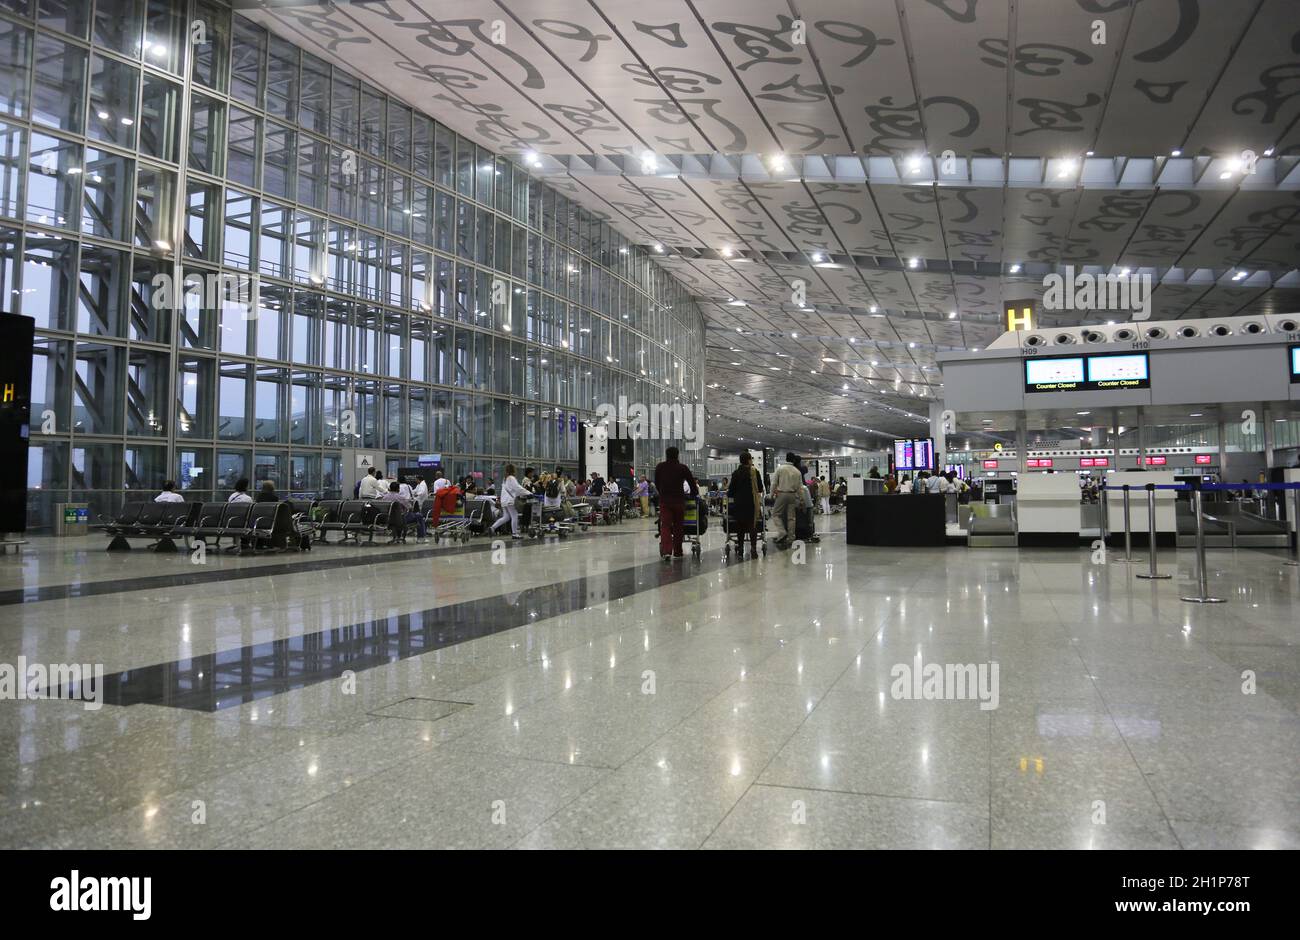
<point>803,525</point>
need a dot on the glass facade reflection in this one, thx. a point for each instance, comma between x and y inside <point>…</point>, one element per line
<point>392,270</point>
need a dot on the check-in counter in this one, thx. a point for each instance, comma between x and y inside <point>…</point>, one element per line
<point>1047,509</point>
<point>1166,519</point>
<point>896,520</point>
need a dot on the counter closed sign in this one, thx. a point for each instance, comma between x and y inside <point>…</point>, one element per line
<point>1105,372</point>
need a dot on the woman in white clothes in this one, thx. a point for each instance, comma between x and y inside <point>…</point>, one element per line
<point>510,491</point>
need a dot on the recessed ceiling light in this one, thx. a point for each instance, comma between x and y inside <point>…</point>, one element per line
<point>1175,153</point>
<point>1015,269</point>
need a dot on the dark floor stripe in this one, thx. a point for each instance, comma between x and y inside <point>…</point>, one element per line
<point>234,677</point>
<point>56,592</point>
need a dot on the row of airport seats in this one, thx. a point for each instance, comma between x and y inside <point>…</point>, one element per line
<point>248,526</point>
<point>300,524</point>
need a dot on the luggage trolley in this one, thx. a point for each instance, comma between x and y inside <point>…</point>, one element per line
<point>456,524</point>
<point>695,522</point>
<point>737,538</point>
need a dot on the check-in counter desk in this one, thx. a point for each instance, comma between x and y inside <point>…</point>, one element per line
<point>1048,510</point>
<point>1166,519</point>
<point>896,520</point>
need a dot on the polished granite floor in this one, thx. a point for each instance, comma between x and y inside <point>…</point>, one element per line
<point>582,694</point>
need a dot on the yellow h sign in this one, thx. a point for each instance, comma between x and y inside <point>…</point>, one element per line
<point>1020,316</point>
<point>9,392</point>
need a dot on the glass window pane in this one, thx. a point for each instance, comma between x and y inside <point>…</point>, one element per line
<point>272,307</point>
<point>313,106</point>
<point>194,473</point>
<point>270,399</point>
<point>165,35</point>
<point>15,66</point>
<point>281,78</point>
<point>67,16</point>
<point>51,385</point>
<point>247,49</point>
<point>97,389</point>
<point>203,220</point>
<point>279,159</point>
<point>202,305</point>
<point>313,171</point>
<point>53,180</point>
<point>237,244</point>
<point>444,148</point>
<point>211,23</point>
<point>155,203</point>
<point>150,306</point>
<point>207,134</point>
<point>399,134</point>
<point>102,299</point>
<point>58,87</point>
<point>273,240</point>
<point>113,87</point>
<point>160,118</point>
<point>147,378</point>
<point>374,122</point>
<point>107,202</point>
<point>195,387</point>
<point>232,402</point>
<point>241,151</point>
<point>422,146</point>
<point>119,26</point>
<point>307,327</point>
<point>49,282</point>
<point>344,108</point>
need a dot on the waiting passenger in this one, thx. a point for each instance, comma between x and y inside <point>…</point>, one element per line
<point>369,487</point>
<point>445,494</point>
<point>408,514</point>
<point>511,490</point>
<point>267,493</point>
<point>745,494</point>
<point>906,486</point>
<point>786,484</point>
<point>673,477</point>
<point>169,494</point>
<point>642,494</point>
<point>241,492</point>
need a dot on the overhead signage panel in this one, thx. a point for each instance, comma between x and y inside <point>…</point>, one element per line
<point>1102,372</point>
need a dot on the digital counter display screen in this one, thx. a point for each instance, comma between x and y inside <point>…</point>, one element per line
<point>1295,363</point>
<point>1105,372</point>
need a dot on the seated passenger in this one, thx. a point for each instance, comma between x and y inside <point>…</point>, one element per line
<point>169,494</point>
<point>241,492</point>
<point>267,493</point>
<point>408,514</point>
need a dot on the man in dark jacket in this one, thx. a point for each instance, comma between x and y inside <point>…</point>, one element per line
<point>671,478</point>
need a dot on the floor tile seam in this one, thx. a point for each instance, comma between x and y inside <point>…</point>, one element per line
<point>868,793</point>
<point>777,750</point>
<point>1146,778</point>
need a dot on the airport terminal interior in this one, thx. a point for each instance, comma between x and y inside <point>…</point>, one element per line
<point>678,424</point>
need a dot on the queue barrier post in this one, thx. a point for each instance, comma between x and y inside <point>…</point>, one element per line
<point>1202,573</point>
<point>1295,523</point>
<point>1153,573</point>
<point>1128,528</point>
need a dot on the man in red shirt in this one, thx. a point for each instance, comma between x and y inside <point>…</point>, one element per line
<point>671,478</point>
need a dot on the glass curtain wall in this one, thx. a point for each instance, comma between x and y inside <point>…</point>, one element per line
<point>241,260</point>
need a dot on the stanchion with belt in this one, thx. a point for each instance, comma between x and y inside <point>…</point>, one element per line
<point>1128,528</point>
<point>1202,574</point>
<point>1294,561</point>
<point>1153,574</point>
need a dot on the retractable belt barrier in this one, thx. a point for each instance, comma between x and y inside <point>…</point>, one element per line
<point>1197,489</point>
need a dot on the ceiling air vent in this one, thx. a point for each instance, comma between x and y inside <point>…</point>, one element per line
<point>1188,332</point>
<point>1253,328</point>
<point>1220,329</point>
<point>1064,339</point>
<point>1034,340</point>
<point>1123,335</point>
<point>1156,332</point>
<point>1289,326</point>
<point>1094,336</point>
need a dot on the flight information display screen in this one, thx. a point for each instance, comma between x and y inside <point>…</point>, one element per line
<point>1122,371</point>
<point>1295,363</point>
<point>914,455</point>
<point>1102,372</point>
<point>1054,375</point>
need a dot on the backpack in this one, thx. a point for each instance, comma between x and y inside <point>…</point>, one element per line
<point>553,489</point>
